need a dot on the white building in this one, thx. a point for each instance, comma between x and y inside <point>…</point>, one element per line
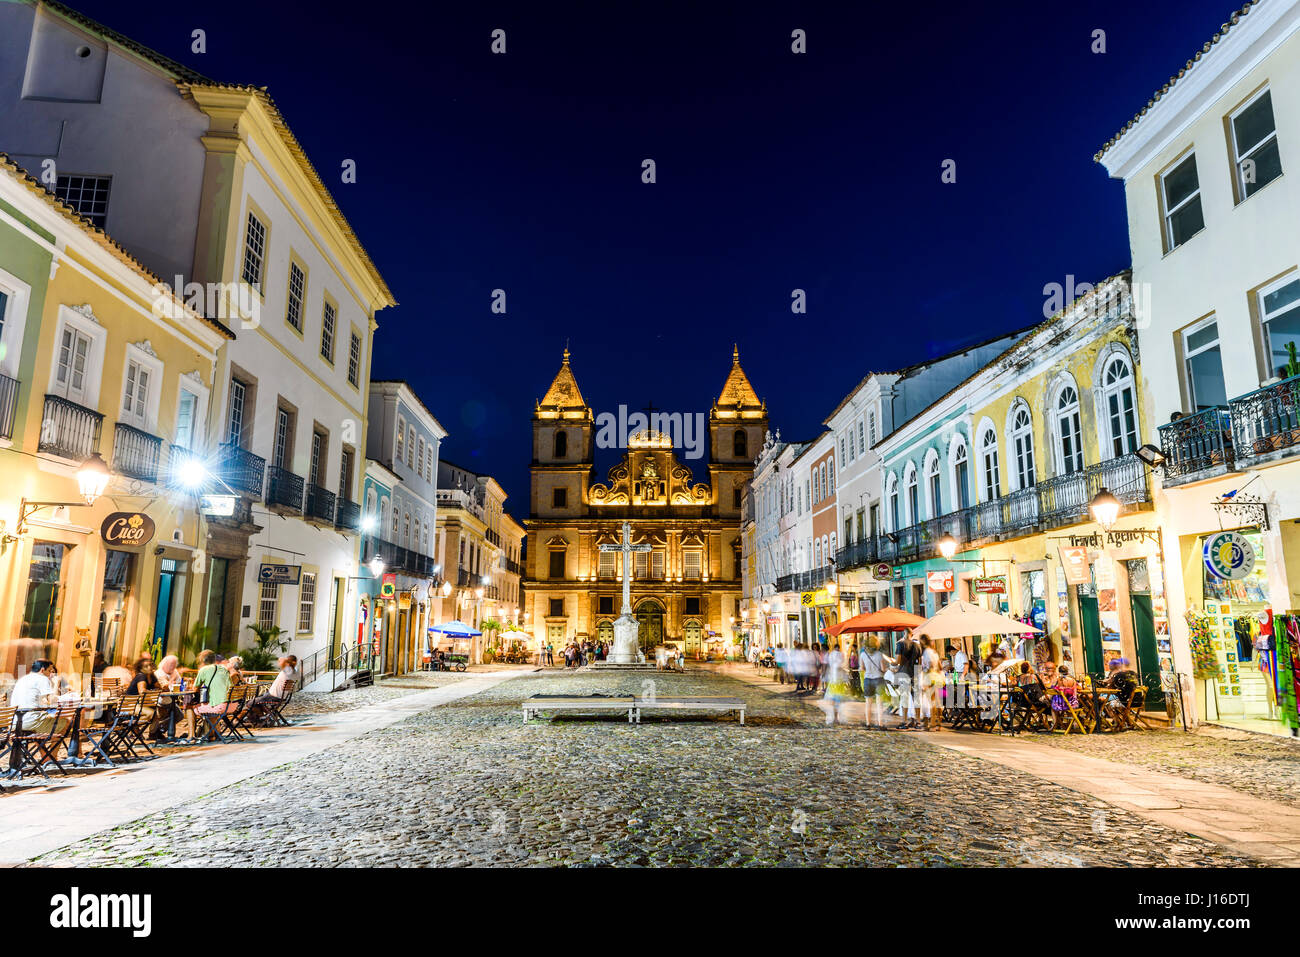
<point>1210,176</point>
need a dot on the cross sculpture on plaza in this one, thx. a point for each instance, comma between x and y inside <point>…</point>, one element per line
<point>626,648</point>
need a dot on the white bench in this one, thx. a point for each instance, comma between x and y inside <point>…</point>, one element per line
<point>634,707</point>
<point>690,703</point>
<point>536,705</point>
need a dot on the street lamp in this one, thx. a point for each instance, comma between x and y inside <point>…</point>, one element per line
<point>947,546</point>
<point>1105,508</point>
<point>767,607</point>
<point>376,565</point>
<point>446,589</point>
<point>92,478</point>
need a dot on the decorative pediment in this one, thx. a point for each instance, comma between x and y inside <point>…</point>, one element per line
<point>145,346</point>
<point>650,476</point>
<point>86,312</point>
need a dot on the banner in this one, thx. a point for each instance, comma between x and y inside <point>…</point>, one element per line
<point>1075,562</point>
<point>939,581</point>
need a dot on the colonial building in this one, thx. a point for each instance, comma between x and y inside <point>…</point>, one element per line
<point>686,588</point>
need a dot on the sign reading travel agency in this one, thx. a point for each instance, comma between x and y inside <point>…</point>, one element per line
<point>270,573</point>
<point>127,528</point>
<point>1229,555</point>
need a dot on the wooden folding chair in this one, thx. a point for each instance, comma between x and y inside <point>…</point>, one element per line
<point>33,750</point>
<point>275,708</point>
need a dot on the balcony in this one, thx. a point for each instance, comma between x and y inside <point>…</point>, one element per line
<point>494,537</point>
<point>348,517</point>
<point>284,489</point>
<point>1054,503</point>
<point>399,559</point>
<point>459,498</point>
<point>1266,423</point>
<point>241,470</point>
<point>804,581</point>
<point>1198,446</point>
<point>69,430</point>
<point>320,504</point>
<point>514,567</point>
<point>136,453</point>
<point>8,406</point>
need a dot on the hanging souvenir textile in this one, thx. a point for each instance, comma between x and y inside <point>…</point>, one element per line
<point>1205,663</point>
<point>1286,632</point>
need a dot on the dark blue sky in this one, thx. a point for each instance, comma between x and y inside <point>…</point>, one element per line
<point>775,171</point>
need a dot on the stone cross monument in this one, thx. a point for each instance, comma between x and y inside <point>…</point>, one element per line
<point>626,649</point>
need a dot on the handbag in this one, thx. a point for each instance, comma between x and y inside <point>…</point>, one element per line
<point>203,689</point>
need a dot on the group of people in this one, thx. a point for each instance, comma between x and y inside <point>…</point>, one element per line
<point>37,694</point>
<point>917,680</point>
<point>579,653</point>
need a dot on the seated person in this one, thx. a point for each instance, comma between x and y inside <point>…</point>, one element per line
<point>215,677</point>
<point>32,694</point>
<point>1031,686</point>
<point>288,668</point>
<point>144,680</point>
<point>1066,691</point>
<point>169,672</point>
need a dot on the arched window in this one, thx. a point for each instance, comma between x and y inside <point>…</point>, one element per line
<point>406,532</point>
<point>740,443</point>
<point>933,486</point>
<point>989,466</point>
<point>1021,437</point>
<point>913,505</point>
<point>1120,408</point>
<point>893,504</point>
<point>960,473</point>
<point>561,444</point>
<point>1069,436</point>
<point>817,553</point>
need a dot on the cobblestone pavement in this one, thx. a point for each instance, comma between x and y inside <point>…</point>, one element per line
<point>329,702</point>
<point>469,783</point>
<point>1263,766</point>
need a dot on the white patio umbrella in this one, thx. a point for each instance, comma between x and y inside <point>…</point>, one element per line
<point>961,619</point>
<point>516,636</point>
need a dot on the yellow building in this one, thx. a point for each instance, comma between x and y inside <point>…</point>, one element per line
<point>104,386</point>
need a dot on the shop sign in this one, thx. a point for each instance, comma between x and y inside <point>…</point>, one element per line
<point>939,581</point>
<point>989,586</point>
<point>883,572</point>
<point>389,587</point>
<point>218,506</point>
<point>127,528</point>
<point>1074,560</point>
<point>272,574</point>
<point>848,596</point>
<point>1229,555</point>
<point>819,597</point>
<point>898,574</point>
<point>1118,537</point>
<point>773,619</point>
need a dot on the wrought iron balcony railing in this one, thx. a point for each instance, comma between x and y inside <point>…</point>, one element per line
<point>804,581</point>
<point>494,537</point>
<point>136,453</point>
<point>320,504</point>
<point>349,516</point>
<point>8,406</point>
<point>399,559</point>
<point>242,471</point>
<point>1266,421</point>
<point>69,430</point>
<point>283,488</point>
<point>1196,444</point>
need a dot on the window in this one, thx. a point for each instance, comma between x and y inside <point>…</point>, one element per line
<point>254,252</point>
<point>1069,435</point>
<point>691,563</point>
<point>989,465</point>
<point>692,605</point>
<point>607,567</point>
<point>74,349</point>
<point>843,454</point>
<point>935,488</point>
<point>862,441</point>
<point>410,446</point>
<point>656,563</point>
<point>1254,145</point>
<point>328,316</point>
<point>961,475</point>
<point>88,195</point>
<point>235,427</point>
<point>345,474</point>
<point>1182,192</point>
<point>557,563</point>
<point>1279,313</point>
<point>268,602</point>
<point>354,359</point>
<point>1204,367</point>
<point>641,565</point>
<point>557,608</point>
<point>561,444</point>
<point>559,497</point>
<point>283,438</point>
<point>297,290</point>
<point>893,505</point>
<point>419,459</point>
<point>186,408</point>
<point>318,445</point>
<point>830,477</point>
<point>913,504</point>
<point>307,602</point>
<point>871,428</point>
<point>400,439</point>
<point>406,530</point>
<point>1118,398</point>
<point>606,608</point>
<point>135,398</point>
<point>740,444</point>
<point>1022,447</point>
<point>428,462</point>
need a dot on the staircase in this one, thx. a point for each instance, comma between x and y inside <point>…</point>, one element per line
<point>350,668</point>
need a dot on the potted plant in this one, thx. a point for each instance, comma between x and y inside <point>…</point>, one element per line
<point>262,656</point>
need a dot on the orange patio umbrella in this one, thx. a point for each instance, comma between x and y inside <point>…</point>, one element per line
<point>885,619</point>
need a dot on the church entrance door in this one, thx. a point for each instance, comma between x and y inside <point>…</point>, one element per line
<point>650,618</point>
<point>693,634</point>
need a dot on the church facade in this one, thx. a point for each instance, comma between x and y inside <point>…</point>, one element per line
<point>686,587</point>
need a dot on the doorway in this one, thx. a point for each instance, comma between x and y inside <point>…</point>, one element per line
<point>650,627</point>
<point>693,634</point>
<point>170,607</point>
<point>118,568</point>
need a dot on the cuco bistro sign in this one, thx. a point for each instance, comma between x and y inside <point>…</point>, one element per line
<point>127,528</point>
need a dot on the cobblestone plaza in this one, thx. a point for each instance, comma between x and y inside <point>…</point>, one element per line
<point>467,782</point>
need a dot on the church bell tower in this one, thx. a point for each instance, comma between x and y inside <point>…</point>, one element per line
<point>737,425</point>
<point>563,455</point>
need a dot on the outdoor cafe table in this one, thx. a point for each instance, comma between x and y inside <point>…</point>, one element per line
<point>184,703</point>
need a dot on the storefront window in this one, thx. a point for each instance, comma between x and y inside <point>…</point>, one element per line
<point>119,569</point>
<point>42,607</point>
<point>1240,626</point>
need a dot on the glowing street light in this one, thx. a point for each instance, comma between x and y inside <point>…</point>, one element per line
<point>92,478</point>
<point>948,546</point>
<point>376,566</point>
<point>1105,508</point>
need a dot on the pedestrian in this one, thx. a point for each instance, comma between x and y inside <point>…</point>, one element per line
<point>782,659</point>
<point>930,680</point>
<point>836,684</point>
<point>905,681</point>
<point>871,664</point>
<point>853,662</point>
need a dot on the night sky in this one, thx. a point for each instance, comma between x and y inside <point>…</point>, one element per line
<point>775,171</point>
